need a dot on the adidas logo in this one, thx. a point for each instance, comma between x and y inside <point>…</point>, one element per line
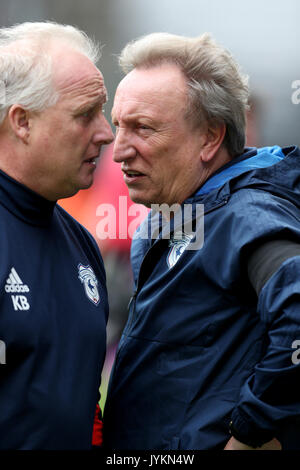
<point>14,283</point>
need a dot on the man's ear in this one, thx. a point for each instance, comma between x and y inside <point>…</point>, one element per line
<point>19,121</point>
<point>214,137</point>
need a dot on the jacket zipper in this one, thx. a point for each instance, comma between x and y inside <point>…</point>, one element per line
<point>131,304</point>
<point>131,308</point>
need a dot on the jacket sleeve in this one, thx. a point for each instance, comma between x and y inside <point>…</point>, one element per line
<point>269,403</point>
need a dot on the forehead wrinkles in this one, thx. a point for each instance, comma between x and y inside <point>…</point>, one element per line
<point>152,101</point>
<point>86,88</point>
<point>74,74</point>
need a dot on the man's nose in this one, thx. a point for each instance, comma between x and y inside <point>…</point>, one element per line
<point>103,133</point>
<point>123,146</point>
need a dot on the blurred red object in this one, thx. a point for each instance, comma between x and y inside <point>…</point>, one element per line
<point>97,436</point>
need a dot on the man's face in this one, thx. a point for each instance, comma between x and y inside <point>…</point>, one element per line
<point>66,138</point>
<point>156,144</point>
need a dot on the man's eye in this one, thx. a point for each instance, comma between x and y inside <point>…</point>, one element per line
<point>90,113</point>
<point>144,127</point>
<point>87,114</point>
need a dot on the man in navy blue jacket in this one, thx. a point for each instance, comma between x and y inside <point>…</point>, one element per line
<point>53,303</point>
<point>209,358</point>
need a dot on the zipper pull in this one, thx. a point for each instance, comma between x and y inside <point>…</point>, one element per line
<point>131,299</point>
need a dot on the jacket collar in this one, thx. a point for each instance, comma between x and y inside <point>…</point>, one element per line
<point>263,168</point>
<point>25,203</point>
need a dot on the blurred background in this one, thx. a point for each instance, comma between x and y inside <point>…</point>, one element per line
<point>264,37</point>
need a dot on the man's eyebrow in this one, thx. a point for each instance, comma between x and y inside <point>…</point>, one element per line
<point>136,116</point>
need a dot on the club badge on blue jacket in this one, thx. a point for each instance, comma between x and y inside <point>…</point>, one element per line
<point>178,244</point>
<point>90,283</point>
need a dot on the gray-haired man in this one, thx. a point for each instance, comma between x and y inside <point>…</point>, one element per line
<point>53,303</point>
<point>205,360</point>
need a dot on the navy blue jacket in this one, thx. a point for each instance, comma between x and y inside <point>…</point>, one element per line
<point>200,348</point>
<point>53,314</point>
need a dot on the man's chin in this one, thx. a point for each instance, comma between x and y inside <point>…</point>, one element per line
<point>139,198</point>
<point>74,190</point>
<point>86,183</point>
<point>86,186</point>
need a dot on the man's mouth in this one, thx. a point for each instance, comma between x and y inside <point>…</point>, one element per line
<point>91,161</point>
<point>132,175</point>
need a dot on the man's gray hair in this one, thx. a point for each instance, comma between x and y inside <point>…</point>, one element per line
<point>26,65</point>
<point>217,90</point>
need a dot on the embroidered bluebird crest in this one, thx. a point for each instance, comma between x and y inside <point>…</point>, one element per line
<point>178,244</point>
<point>90,283</point>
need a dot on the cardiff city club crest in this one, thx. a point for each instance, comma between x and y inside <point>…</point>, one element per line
<point>178,244</point>
<point>90,283</point>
